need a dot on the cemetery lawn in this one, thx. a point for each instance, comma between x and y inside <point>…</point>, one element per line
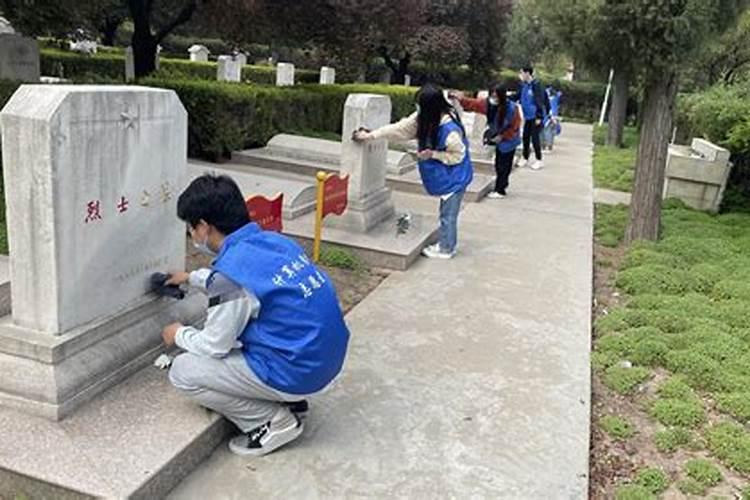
<point>353,279</point>
<point>671,358</point>
<point>614,168</point>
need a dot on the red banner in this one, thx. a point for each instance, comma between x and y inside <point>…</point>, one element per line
<point>335,195</point>
<point>266,213</point>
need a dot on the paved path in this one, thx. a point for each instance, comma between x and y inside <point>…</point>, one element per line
<point>609,197</point>
<point>465,379</point>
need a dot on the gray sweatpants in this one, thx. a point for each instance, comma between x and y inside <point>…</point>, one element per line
<point>228,386</point>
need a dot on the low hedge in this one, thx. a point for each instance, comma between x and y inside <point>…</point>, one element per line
<point>111,66</point>
<point>225,117</point>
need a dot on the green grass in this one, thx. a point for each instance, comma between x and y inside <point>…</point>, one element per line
<point>617,427</point>
<point>335,256</point>
<point>611,222</point>
<point>614,168</point>
<point>633,492</point>
<point>704,472</point>
<point>653,479</point>
<point>690,486</point>
<point>686,311</point>
<point>671,440</point>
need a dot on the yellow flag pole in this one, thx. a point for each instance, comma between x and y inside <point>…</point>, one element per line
<point>321,178</point>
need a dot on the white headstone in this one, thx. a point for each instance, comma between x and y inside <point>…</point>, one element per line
<point>6,27</point>
<point>88,47</point>
<point>129,65</point>
<point>92,174</point>
<point>241,58</point>
<point>407,80</point>
<point>199,53</point>
<point>157,57</point>
<point>369,200</point>
<point>327,75</point>
<point>284,74</point>
<point>228,69</point>
<point>19,58</point>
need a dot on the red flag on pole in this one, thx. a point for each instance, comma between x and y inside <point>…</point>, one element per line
<point>335,194</point>
<point>266,213</point>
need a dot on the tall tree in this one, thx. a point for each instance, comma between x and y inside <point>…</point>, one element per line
<point>661,34</point>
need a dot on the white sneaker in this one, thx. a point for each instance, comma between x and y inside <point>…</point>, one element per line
<point>434,252</point>
<point>283,428</point>
<point>522,162</point>
<point>494,195</point>
<point>537,165</point>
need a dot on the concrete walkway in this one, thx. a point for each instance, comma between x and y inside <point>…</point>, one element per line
<point>466,378</point>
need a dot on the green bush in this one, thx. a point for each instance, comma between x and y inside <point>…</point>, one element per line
<point>617,427</point>
<point>633,492</point>
<point>703,471</point>
<point>335,256</point>
<point>730,443</point>
<point>670,440</point>
<point>625,380</point>
<point>655,278</point>
<point>736,404</point>
<point>653,479</point>
<point>226,117</point>
<point>678,412</point>
<point>690,486</point>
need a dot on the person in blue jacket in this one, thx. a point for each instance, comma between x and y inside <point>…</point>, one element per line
<point>443,159</point>
<point>274,335</point>
<point>552,126</point>
<point>531,97</point>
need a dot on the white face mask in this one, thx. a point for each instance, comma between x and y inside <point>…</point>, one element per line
<point>204,248</point>
<point>494,101</point>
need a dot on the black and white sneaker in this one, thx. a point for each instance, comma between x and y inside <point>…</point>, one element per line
<point>283,428</point>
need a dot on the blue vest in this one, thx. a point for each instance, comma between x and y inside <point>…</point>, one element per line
<point>298,342</point>
<point>439,178</point>
<point>499,126</point>
<point>528,101</point>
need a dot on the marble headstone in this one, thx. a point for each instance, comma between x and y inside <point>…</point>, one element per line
<point>19,58</point>
<point>327,75</point>
<point>199,53</point>
<point>228,69</point>
<point>369,200</point>
<point>284,74</point>
<point>129,65</point>
<point>241,58</point>
<point>92,175</point>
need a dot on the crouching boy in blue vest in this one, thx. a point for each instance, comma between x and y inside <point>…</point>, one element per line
<point>274,334</point>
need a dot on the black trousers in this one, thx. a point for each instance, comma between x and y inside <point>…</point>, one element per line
<point>503,166</point>
<point>531,133</point>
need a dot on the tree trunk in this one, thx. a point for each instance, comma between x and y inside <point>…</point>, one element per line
<point>108,30</point>
<point>144,51</point>
<point>658,112</point>
<point>618,113</point>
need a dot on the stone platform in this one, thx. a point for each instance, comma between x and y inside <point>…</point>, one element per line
<point>258,160</point>
<point>137,440</point>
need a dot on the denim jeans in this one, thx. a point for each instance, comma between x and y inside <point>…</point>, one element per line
<point>449,221</point>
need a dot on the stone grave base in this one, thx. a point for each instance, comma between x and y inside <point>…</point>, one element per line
<point>52,375</point>
<point>410,182</point>
<point>138,440</point>
<point>381,246</point>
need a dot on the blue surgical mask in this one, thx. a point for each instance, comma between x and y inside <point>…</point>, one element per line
<point>204,248</point>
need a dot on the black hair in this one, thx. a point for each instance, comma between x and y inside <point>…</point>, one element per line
<point>215,199</point>
<point>528,69</point>
<point>432,106</point>
<point>501,91</point>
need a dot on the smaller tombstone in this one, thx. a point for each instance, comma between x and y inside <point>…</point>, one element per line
<point>129,65</point>
<point>241,58</point>
<point>19,58</point>
<point>228,69</point>
<point>157,58</point>
<point>88,47</point>
<point>284,74</point>
<point>199,53</point>
<point>407,80</point>
<point>327,75</point>
<point>5,27</point>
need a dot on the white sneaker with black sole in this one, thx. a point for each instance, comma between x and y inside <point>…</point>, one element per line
<point>434,252</point>
<point>284,427</point>
<point>537,165</point>
<point>494,195</point>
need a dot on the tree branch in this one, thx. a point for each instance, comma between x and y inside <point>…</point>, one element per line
<point>184,16</point>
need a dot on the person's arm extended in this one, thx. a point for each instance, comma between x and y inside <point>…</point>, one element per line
<point>403,130</point>
<point>455,150</point>
<point>230,309</point>
<point>474,105</point>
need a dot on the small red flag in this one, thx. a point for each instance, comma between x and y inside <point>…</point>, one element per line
<point>335,195</point>
<point>266,213</point>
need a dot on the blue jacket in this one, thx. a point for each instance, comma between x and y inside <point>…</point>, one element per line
<point>509,128</point>
<point>440,179</point>
<point>298,342</point>
<point>532,101</point>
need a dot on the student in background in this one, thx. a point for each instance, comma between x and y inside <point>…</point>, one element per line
<point>531,97</point>
<point>552,126</point>
<point>504,120</point>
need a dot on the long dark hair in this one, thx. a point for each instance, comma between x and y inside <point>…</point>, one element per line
<point>432,106</point>
<point>501,92</point>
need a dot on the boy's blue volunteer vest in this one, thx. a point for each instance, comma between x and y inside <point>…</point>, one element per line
<point>440,179</point>
<point>298,342</point>
<point>528,101</point>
